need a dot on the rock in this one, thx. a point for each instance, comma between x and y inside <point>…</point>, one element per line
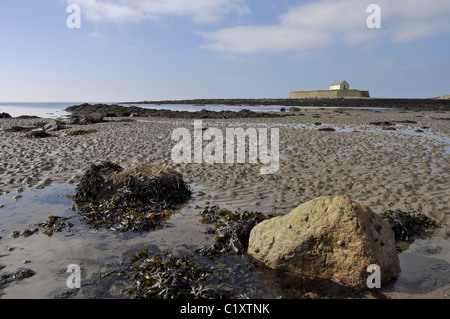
<point>141,183</point>
<point>136,199</point>
<point>330,237</point>
<point>19,274</point>
<point>84,119</point>
<point>294,109</point>
<point>4,115</point>
<point>326,129</point>
<point>54,125</point>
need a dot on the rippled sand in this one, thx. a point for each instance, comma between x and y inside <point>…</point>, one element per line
<point>385,169</point>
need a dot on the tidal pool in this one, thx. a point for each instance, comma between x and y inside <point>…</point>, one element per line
<point>103,255</point>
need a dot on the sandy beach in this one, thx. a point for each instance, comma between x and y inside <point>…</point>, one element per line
<point>404,167</point>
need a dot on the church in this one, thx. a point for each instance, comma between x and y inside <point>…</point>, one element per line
<point>340,85</point>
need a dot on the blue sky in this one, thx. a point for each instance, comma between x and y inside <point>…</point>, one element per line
<point>138,50</point>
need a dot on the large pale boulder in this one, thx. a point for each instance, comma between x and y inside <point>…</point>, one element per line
<point>329,237</point>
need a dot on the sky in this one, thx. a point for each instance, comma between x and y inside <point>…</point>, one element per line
<point>135,50</point>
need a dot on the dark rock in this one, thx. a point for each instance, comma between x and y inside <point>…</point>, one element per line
<point>37,134</point>
<point>54,125</point>
<point>19,274</point>
<point>123,111</point>
<point>134,199</point>
<point>383,123</point>
<point>402,103</point>
<point>326,129</point>
<point>4,115</point>
<point>27,117</point>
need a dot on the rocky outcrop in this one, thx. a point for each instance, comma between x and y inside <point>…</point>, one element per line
<point>329,237</point>
<point>54,125</point>
<point>403,103</point>
<point>134,199</point>
<point>134,111</point>
<point>85,119</point>
<point>141,184</point>
<point>4,115</point>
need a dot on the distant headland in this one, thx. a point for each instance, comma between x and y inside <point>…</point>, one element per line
<point>338,95</point>
<point>404,103</point>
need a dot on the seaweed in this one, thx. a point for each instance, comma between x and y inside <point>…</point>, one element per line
<point>232,230</point>
<point>91,181</point>
<point>165,276</point>
<point>15,129</point>
<point>408,226</point>
<point>37,134</point>
<point>326,129</point>
<point>81,132</point>
<point>138,199</point>
<point>55,224</point>
<point>117,217</point>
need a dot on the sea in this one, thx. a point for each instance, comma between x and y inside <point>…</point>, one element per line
<point>57,109</point>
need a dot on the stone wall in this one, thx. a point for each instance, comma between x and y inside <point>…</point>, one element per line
<point>329,94</point>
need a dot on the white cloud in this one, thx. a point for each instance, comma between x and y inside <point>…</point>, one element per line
<point>124,11</point>
<point>322,23</point>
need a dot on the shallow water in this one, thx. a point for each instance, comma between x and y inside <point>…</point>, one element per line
<point>56,110</point>
<point>44,110</point>
<point>103,255</point>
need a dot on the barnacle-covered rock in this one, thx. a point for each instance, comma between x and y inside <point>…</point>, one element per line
<point>330,237</point>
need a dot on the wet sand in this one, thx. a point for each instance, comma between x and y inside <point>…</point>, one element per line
<point>386,169</point>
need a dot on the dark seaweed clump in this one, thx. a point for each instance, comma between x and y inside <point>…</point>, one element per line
<point>81,132</point>
<point>138,199</point>
<point>232,230</point>
<point>408,226</point>
<point>91,181</point>
<point>37,134</point>
<point>118,217</point>
<point>54,224</point>
<point>19,274</point>
<point>165,276</point>
<point>15,129</point>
